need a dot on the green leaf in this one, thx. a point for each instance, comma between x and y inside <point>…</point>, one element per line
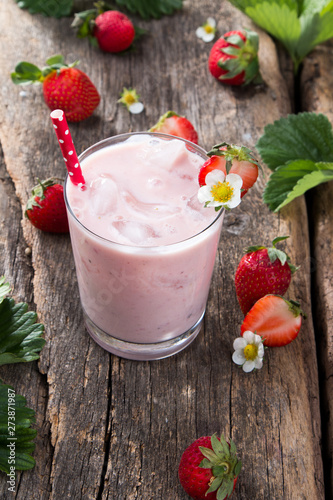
<point>238,468</point>
<point>16,433</point>
<point>50,8</point>
<point>326,24</point>
<point>224,445</point>
<point>208,453</point>
<point>223,490</point>
<point>206,464</point>
<point>278,20</point>
<point>26,73</point>
<point>151,8</point>
<point>215,485</point>
<point>305,136</point>
<point>218,447</point>
<point>275,253</point>
<point>307,182</point>
<point>57,59</point>
<point>293,179</point>
<point>20,336</point>
<point>299,25</point>
<point>4,288</point>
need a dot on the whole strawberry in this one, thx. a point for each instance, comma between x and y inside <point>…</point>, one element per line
<point>262,271</point>
<point>111,30</point>
<point>46,208</point>
<point>233,59</point>
<point>209,468</point>
<point>114,31</point>
<point>64,87</point>
<point>231,159</point>
<point>179,126</point>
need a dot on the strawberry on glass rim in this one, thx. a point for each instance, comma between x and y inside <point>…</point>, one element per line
<point>230,159</point>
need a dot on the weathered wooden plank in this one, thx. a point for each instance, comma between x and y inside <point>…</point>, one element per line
<point>317,83</point>
<point>113,428</point>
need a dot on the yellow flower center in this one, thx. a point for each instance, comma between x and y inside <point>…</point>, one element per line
<point>208,28</point>
<point>222,192</point>
<point>129,99</point>
<point>251,352</point>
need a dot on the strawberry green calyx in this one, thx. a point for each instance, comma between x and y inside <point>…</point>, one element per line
<point>233,152</point>
<point>242,56</point>
<point>295,308</point>
<point>224,464</point>
<point>84,22</point>
<point>38,191</point>
<point>274,253</point>
<point>161,121</point>
<point>26,73</point>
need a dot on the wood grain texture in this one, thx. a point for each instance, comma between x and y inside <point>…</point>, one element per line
<point>113,428</point>
<point>317,83</point>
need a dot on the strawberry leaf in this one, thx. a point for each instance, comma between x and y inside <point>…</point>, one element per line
<point>56,60</point>
<point>206,464</point>
<point>237,468</point>
<point>293,179</point>
<point>51,8</point>
<point>20,335</point>
<point>215,485</point>
<point>278,239</point>
<point>4,288</point>
<point>307,136</point>
<point>300,26</point>
<point>307,182</point>
<point>16,434</point>
<point>210,454</point>
<point>275,253</point>
<point>218,446</point>
<point>151,9</point>
<point>26,73</point>
<point>223,490</point>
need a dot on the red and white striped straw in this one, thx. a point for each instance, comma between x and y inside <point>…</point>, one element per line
<point>67,147</point>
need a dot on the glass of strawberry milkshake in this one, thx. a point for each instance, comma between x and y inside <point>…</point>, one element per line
<point>144,247</point>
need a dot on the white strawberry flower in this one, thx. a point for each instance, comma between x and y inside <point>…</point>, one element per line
<point>220,190</point>
<point>249,351</point>
<point>130,99</point>
<point>207,31</point>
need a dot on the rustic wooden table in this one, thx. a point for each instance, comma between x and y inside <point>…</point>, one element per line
<point>113,428</point>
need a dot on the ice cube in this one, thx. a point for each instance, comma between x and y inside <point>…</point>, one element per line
<point>173,148</point>
<point>156,210</point>
<point>196,207</point>
<point>135,232</point>
<point>104,196</point>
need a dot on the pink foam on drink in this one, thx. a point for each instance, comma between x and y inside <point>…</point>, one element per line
<point>145,263</point>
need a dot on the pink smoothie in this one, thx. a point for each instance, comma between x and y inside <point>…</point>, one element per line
<point>144,247</point>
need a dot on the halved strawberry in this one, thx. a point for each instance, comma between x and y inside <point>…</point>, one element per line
<point>173,124</point>
<point>231,159</point>
<point>275,319</point>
